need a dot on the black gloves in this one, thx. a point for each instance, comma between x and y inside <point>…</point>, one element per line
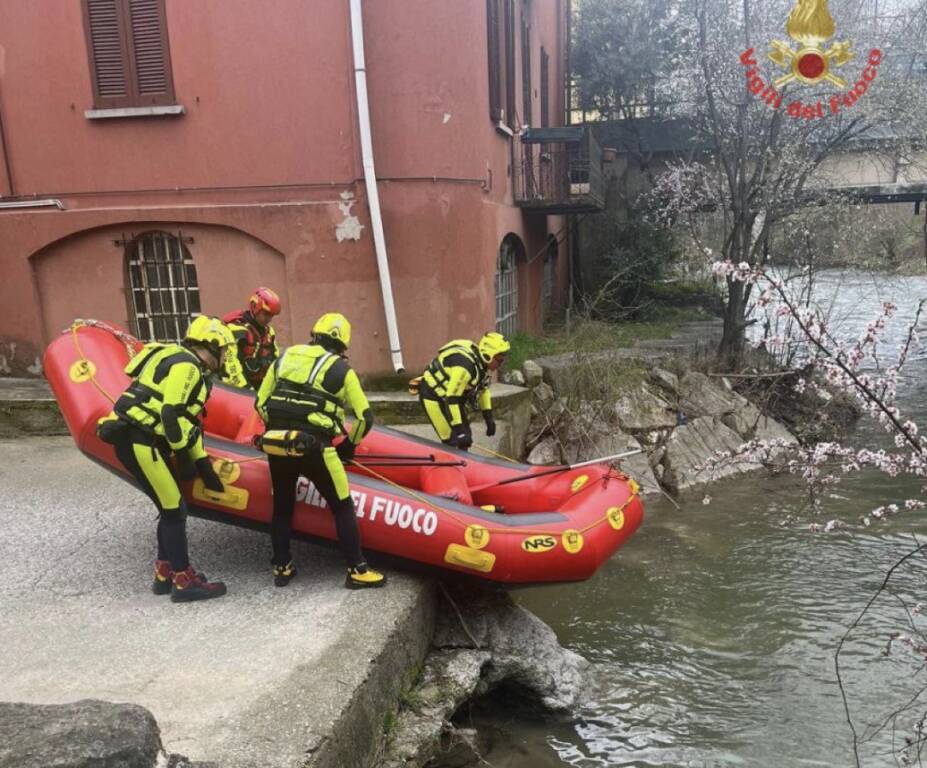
<point>460,438</point>
<point>490,423</point>
<point>208,474</point>
<point>345,450</point>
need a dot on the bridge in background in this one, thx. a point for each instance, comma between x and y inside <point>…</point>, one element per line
<point>866,170</point>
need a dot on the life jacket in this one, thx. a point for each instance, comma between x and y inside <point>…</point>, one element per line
<point>436,376</point>
<point>141,403</point>
<point>299,397</point>
<point>257,346</point>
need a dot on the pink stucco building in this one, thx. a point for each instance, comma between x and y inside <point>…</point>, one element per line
<point>161,157</point>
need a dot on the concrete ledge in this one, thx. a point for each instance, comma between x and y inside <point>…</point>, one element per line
<point>394,658</point>
<point>304,676</point>
<point>393,408</point>
<point>502,442</point>
<point>334,712</point>
<point>28,408</point>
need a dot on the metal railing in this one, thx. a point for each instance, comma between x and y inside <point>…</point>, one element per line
<point>560,177</point>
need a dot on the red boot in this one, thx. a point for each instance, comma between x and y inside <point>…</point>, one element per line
<point>190,585</point>
<point>163,578</point>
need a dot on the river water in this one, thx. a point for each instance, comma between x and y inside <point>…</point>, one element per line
<point>712,633</point>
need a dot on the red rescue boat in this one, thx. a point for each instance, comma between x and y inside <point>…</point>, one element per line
<point>415,499</point>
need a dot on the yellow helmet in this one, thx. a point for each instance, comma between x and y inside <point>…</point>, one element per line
<point>335,327</point>
<point>210,332</point>
<point>492,344</point>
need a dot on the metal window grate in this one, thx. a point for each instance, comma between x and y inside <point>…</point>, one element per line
<point>163,289</point>
<point>506,291</point>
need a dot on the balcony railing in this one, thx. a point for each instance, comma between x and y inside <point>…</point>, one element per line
<point>560,171</point>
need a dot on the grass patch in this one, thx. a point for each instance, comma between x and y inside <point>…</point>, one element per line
<point>527,347</point>
<point>585,336</point>
<point>598,336</point>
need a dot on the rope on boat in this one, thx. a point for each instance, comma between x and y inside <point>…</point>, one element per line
<point>88,367</point>
<point>491,452</point>
<point>509,530</point>
<point>90,370</point>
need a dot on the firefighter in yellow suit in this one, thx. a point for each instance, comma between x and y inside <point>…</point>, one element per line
<point>158,416</point>
<point>306,391</point>
<point>459,374</point>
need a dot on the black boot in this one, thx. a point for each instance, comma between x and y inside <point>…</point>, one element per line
<point>284,573</point>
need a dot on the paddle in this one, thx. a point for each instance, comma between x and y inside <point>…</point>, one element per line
<point>555,470</point>
<point>413,457</point>
<point>425,463</point>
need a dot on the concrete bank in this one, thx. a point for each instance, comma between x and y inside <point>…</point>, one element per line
<point>302,676</point>
<point>27,407</point>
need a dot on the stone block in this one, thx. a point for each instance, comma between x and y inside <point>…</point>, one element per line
<point>534,374</point>
<point>665,379</point>
<point>691,445</point>
<point>770,429</point>
<point>543,395</point>
<point>85,734</point>
<point>749,423</point>
<point>700,396</point>
<point>545,452</point>
<point>644,410</point>
<point>582,375</point>
<point>515,378</point>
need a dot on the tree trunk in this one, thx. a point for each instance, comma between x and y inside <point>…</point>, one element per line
<point>925,230</point>
<point>733,337</point>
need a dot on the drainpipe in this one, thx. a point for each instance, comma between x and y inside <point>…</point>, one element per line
<point>370,178</point>
<point>6,154</point>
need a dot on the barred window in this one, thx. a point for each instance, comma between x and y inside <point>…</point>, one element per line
<point>163,292</point>
<point>507,287</point>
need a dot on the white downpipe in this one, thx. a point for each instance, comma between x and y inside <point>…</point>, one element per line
<point>370,178</point>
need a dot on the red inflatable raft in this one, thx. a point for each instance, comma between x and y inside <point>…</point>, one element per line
<point>422,503</point>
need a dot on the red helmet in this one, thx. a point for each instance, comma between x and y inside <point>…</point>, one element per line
<point>264,299</point>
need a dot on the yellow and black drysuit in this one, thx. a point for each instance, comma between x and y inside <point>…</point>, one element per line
<point>306,389</point>
<point>158,414</point>
<point>255,351</point>
<point>456,378</point>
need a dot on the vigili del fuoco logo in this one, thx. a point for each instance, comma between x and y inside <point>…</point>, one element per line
<point>810,25</point>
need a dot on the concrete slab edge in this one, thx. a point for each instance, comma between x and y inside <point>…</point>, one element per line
<point>22,418</point>
<point>359,731</point>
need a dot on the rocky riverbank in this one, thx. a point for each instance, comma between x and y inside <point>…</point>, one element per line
<point>483,643</point>
<point>84,734</point>
<point>586,406</point>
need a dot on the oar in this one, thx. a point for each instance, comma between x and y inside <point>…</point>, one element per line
<point>360,463</point>
<point>555,470</point>
<point>413,457</point>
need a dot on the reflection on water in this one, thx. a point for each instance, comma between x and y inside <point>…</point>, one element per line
<point>712,634</point>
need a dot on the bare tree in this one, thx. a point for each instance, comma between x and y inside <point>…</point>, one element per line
<point>765,158</point>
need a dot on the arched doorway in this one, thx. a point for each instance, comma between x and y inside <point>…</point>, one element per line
<point>511,252</point>
<point>162,290</point>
